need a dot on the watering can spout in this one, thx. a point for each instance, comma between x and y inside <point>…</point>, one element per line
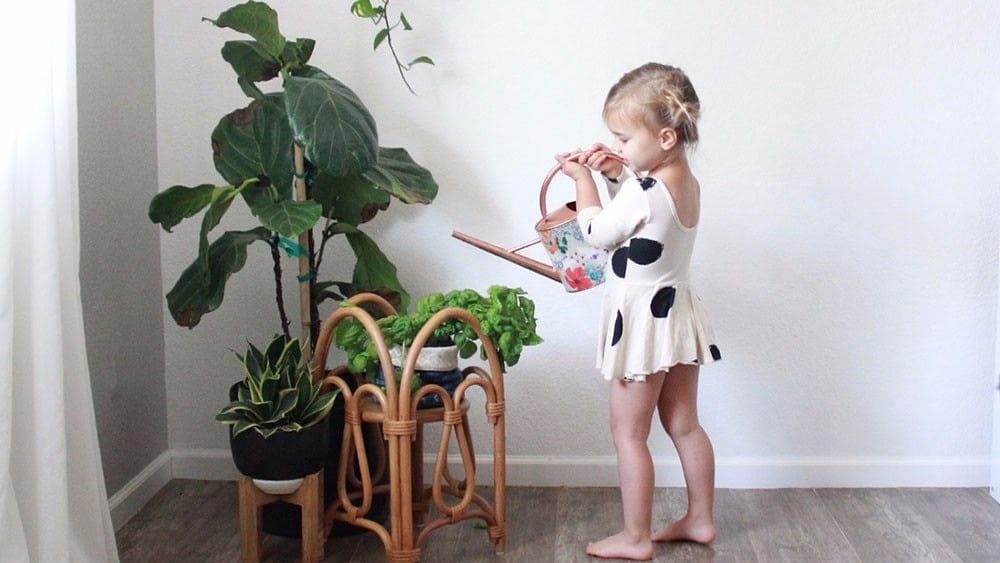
<point>512,255</point>
<point>576,264</point>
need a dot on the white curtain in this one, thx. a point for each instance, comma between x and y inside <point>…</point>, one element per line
<point>53,503</point>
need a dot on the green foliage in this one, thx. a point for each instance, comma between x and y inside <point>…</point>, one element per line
<point>506,315</point>
<point>277,393</point>
<point>349,177</point>
<point>379,14</point>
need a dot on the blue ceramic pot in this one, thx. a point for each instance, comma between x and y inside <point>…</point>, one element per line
<point>447,379</point>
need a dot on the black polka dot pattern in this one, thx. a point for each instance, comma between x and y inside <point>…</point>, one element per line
<point>649,285</point>
<point>644,251</point>
<point>716,354</point>
<point>662,302</point>
<point>619,261</point>
<point>619,328</point>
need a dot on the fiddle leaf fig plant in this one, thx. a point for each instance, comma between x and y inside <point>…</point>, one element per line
<point>304,157</point>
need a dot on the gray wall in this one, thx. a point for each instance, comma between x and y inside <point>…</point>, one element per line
<point>120,248</point>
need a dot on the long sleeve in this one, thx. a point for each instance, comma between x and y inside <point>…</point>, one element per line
<point>612,225</point>
<point>614,185</point>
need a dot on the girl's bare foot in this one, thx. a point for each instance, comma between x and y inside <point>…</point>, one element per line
<point>687,529</point>
<point>621,546</point>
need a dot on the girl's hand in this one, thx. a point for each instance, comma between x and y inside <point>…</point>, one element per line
<point>599,159</point>
<point>573,167</point>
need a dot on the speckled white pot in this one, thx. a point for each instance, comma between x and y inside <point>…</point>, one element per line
<point>431,358</point>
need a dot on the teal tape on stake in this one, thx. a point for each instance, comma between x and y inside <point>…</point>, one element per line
<point>292,248</point>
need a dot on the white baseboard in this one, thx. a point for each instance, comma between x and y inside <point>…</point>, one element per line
<point>753,473</point>
<point>213,465</point>
<point>735,473</point>
<point>853,472</point>
<point>130,499</point>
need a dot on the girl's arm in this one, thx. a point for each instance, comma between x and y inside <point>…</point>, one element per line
<point>586,189</point>
<point>614,183</point>
<point>612,225</point>
<point>586,192</point>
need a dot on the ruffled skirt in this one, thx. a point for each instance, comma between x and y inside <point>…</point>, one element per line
<point>645,329</point>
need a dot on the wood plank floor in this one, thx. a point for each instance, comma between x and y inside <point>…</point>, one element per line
<point>196,521</point>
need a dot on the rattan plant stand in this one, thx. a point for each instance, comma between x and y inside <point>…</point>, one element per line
<point>416,507</point>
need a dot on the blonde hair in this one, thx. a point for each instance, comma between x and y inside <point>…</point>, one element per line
<point>658,96</point>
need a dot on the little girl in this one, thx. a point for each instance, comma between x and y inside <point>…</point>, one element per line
<point>654,333</point>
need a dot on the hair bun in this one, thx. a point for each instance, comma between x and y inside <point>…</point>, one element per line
<point>661,96</point>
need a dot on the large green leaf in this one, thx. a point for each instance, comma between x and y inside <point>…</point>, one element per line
<point>250,89</point>
<point>397,173</point>
<point>298,51</point>
<point>253,63</point>
<point>352,198</point>
<point>357,198</point>
<point>257,20</point>
<point>171,206</point>
<point>250,60</point>
<point>337,291</point>
<point>289,218</point>
<point>335,130</point>
<point>256,141</point>
<point>373,271</point>
<point>222,198</point>
<point>198,291</point>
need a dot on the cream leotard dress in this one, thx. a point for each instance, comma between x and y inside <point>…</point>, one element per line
<point>651,318</point>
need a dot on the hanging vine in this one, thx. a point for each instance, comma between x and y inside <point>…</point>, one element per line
<point>379,14</point>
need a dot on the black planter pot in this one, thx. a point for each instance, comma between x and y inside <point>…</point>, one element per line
<point>283,519</point>
<point>282,455</point>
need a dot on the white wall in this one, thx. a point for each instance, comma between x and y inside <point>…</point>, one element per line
<point>847,250</point>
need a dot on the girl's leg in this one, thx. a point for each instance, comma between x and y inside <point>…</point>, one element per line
<point>678,408</point>
<point>632,406</point>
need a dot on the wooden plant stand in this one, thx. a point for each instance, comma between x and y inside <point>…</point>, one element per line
<point>411,500</point>
<point>309,497</point>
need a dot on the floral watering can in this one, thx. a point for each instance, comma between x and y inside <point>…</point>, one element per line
<point>575,263</point>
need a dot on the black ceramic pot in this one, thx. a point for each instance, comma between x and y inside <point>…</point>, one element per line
<point>283,519</point>
<point>282,455</point>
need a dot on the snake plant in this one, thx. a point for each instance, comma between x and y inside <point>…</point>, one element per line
<point>277,392</point>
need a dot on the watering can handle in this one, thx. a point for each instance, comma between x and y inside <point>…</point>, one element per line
<point>552,173</point>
